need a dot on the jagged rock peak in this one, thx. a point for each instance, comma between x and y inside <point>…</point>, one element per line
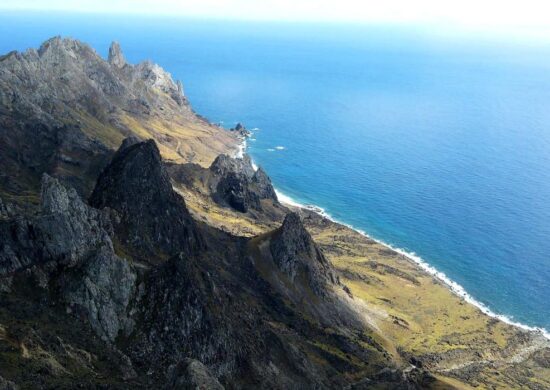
<point>57,45</point>
<point>238,185</point>
<point>295,252</point>
<point>116,58</point>
<point>153,218</point>
<point>294,233</point>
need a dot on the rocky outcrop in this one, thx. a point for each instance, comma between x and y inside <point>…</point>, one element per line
<point>6,210</point>
<point>152,220</point>
<point>241,130</point>
<point>233,190</point>
<point>223,164</point>
<point>296,254</point>
<point>191,375</point>
<point>116,58</point>
<point>65,232</point>
<point>187,312</point>
<point>263,186</point>
<point>101,288</point>
<point>71,236</point>
<point>238,186</point>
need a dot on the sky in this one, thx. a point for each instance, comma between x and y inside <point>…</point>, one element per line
<point>526,17</point>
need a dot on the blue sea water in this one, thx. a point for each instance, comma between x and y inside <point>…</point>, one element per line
<point>436,144</point>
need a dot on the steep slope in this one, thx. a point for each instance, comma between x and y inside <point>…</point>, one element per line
<point>77,108</point>
<point>229,184</point>
<point>212,304</point>
<point>151,218</point>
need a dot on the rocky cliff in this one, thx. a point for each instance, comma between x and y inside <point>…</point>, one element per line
<point>77,108</point>
<point>160,296</point>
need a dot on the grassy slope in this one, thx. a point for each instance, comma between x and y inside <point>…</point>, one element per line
<point>412,313</point>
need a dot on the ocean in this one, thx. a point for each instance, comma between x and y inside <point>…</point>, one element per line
<point>437,144</point>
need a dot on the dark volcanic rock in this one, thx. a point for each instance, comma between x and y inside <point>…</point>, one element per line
<point>233,189</point>
<point>129,141</point>
<point>263,185</point>
<point>241,130</point>
<point>8,210</point>
<point>186,313</point>
<point>102,288</point>
<point>153,219</point>
<point>238,186</point>
<point>297,255</point>
<point>71,239</point>
<point>191,375</point>
<point>223,164</point>
<point>66,231</point>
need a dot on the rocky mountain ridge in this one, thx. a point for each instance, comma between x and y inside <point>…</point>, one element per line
<point>209,303</point>
<point>77,108</point>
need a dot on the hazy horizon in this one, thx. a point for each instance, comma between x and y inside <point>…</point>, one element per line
<point>436,32</point>
<point>519,20</point>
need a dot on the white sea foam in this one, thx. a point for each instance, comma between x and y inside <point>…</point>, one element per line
<point>241,149</point>
<point>456,288</point>
<point>255,129</point>
<point>280,147</point>
<point>284,199</point>
<point>270,150</point>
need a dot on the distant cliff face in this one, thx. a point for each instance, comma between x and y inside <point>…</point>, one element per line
<point>77,108</point>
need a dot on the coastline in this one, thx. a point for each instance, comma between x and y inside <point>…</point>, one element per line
<point>453,286</point>
<point>418,261</point>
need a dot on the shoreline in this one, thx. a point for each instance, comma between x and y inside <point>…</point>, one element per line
<point>453,286</point>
